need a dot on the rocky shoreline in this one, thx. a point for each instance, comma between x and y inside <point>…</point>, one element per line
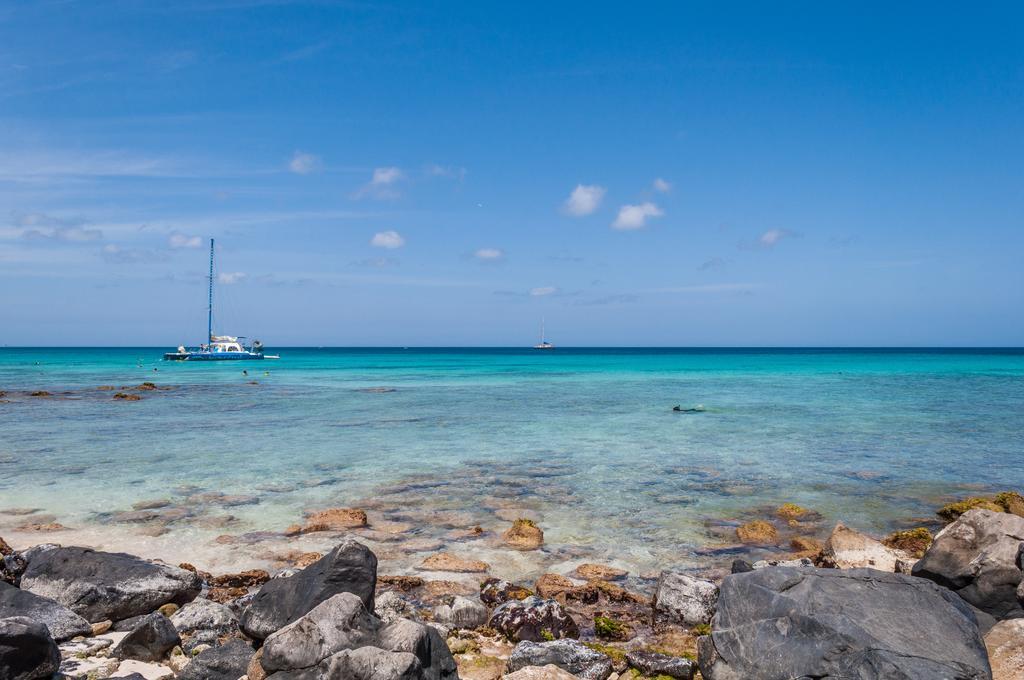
<point>908,606</point>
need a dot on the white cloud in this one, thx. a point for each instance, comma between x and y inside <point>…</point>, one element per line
<point>180,240</point>
<point>711,288</point>
<point>489,254</point>
<point>229,278</point>
<point>303,163</point>
<point>387,239</point>
<point>771,237</point>
<point>542,291</point>
<point>635,216</point>
<point>662,186</point>
<point>584,200</point>
<point>382,184</point>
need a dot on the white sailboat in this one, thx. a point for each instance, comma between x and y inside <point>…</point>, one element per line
<point>544,344</point>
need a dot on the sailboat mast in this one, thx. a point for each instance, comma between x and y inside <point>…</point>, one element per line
<point>209,306</point>
<point>542,330</point>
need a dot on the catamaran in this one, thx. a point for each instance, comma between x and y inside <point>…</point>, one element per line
<point>544,344</point>
<point>218,347</point>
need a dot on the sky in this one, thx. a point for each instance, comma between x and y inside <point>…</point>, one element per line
<point>444,173</point>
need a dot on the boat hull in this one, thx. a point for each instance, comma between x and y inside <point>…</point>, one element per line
<point>212,356</point>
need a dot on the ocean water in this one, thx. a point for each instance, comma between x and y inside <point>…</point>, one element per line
<point>584,440</point>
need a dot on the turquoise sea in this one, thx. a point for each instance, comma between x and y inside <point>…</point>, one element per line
<point>585,440</point>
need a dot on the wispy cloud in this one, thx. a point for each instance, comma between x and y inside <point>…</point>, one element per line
<point>710,288</point>
<point>585,199</point>
<point>635,216</point>
<point>662,186</point>
<point>43,227</point>
<point>382,184</point>
<point>387,239</point>
<point>304,52</point>
<point>489,254</point>
<point>543,291</point>
<point>303,163</point>
<point>769,239</point>
<point>120,255</point>
<point>376,262</point>
<point>451,171</point>
<point>178,240</point>
<point>36,165</point>
<point>615,299</point>
<point>231,278</point>
<point>713,263</point>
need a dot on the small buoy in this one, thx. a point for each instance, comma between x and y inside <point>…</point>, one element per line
<point>245,372</point>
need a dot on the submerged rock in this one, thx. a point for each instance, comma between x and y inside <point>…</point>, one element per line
<point>62,623</point>
<point>99,585</point>
<point>757,531</point>
<point>600,572</point>
<point>524,534</point>
<point>27,651</point>
<point>495,591</point>
<point>914,542</point>
<point>976,557</point>
<point>552,585</point>
<point>335,519</point>
<point>449,562</point>
<point>349,568</point>
<point>779,623</point>
<point>533,619</point>
<point>569,655</point>
<point>681,598</point>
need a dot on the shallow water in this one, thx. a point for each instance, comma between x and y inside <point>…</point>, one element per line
<point>584,439</point>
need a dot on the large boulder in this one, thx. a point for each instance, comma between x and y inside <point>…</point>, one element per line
<point>653,664</point>
<point>681,598</point>
<point>203,621</point>
<point>349,568</point>
<point>62,623</point>
<point>100,586</point>
<point>227,662</point>
<point>533,619</point>
<point>847,548</point>
<point>150,640</point>
<point>342,623</point>
<point>570,655</point>
<point>27,651</point>
<point>782,622</point>
<point>976,557</point>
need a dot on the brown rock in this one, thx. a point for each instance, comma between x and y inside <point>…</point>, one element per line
<point>524,535</point>
<point>248,578</point>
<point>847,548</point>
<point>48,526</point>
<point>168,609</point>
<point>335,519</point>
<point>255,670</point>
<point>757,531</point>
<point>1005,644</point>
<point>293,530</point>
<point>600,572</point>
<point>5,549</point>
<point>124,396</point>
<point>101,627</point>
<point>805,545</point>
<point>225,595</point>
<point>913,541</point>
<point>436,589</point>
<point>550,586</point>
<point>790,511</point>
<point>448,562</point>
<point>153,504</point>
<point>402,583</point>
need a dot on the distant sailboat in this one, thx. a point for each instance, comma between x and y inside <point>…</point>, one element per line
<point>218,347</point>
<point>544,344</point>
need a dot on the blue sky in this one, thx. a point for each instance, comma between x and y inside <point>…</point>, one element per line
<point>449,173</point>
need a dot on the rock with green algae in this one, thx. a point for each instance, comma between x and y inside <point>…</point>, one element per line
<point>757,531</point>
<point>790,511</point>
<point>524,534</point>
<point>607,628</point>
<point>1005,501</point>
<point>914,541</point>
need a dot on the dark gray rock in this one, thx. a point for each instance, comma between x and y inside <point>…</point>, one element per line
<point>343,623</point>
<point>783,622</point>
<point>133,676</point>
<point>12,567</point>
<point>650,663</point>
<point>100,585</point>
<point>495,591</point>
<point>533,619</point>
<point>349,568</point>
<point>62,623</point>
<point>127,625</point>
<point>149,641</point>
<point>227,662</point>
<point>741,566</point>
<point>27,651</point>
<point>681,598</point>
<point>976,557</point>
<point>365,663</point>
<point>204,622</point>
<point>569,655</point>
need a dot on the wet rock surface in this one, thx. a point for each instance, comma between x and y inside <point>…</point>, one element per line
<point>149,640</point>
<point>839,623</point>
<point>99,586</point>
<point>534,619</point>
